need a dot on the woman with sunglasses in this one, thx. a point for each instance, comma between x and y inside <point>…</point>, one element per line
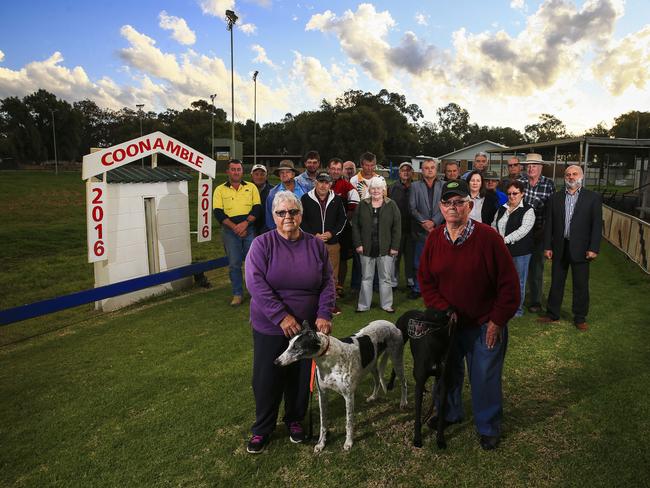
<point>514,221</point>
<point>290,280</point>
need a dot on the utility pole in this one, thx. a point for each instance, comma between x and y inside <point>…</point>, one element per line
<point>255,117</point>
<point>212,97</point>
<point>231,18</point>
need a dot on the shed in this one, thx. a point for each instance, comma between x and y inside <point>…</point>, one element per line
<point>466,154</point>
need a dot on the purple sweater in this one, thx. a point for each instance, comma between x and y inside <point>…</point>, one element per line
<point>288,277</point>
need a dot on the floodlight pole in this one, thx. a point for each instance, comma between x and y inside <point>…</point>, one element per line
<point>140,106</point>
<point>231,18</point>
<point>212,97</point>
<point>255,117</point>
<point>56,160</point>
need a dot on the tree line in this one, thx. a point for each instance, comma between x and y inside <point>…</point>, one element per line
<point>384,123</point>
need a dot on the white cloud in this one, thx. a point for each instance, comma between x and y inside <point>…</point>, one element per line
<point>180,30</point>
<point>217,8</point>
<point>261,57</point>
<point>248,28</point>
<point>320,82</point>
<point>422,19</point>
<point>625,63</point>
<point>518,4</point>
<point>2,56</point>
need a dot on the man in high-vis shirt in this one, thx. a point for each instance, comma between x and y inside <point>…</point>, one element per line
<point>237,206</point>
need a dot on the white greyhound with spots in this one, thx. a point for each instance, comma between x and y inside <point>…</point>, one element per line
<point>341,364</point>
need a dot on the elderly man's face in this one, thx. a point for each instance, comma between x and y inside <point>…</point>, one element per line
<point>322,188</point>
<point>452,172</point>
<point>491,184</point>
<point>534,170</point>
<point>258,176</point>
<point>405,173</point>
<point>480,163</point>
<point>456,210</point>
<point>349,169</point>
<point>368,168</point>
<point>514,168</point>
<point>286,175</point>
<point>573,177</point>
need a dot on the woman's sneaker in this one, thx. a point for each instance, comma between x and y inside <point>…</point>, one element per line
<point>296,432</point>
<point>257,443</point>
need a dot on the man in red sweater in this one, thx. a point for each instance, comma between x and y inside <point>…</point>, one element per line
<point>466,266</point>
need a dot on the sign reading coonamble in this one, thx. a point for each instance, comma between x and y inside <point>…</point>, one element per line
<point>113,157</point>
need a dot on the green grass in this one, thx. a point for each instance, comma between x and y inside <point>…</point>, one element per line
<point>159,395</point>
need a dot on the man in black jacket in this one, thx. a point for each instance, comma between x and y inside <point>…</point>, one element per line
<point>572,239</point>
<point>399,193</point>
<point>259,177</point>
<point>323,216</point>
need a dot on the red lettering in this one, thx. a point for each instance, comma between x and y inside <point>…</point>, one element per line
<point>158,144</point>
<point>119,155</point>
<point>105,161</point>
<point>199,161</point>
<point>205,217</point>
<point>98,196</point>
<point>173,148</point>
<point>98,228</point>
<point>132,148</point>
<point>145,145</point>
<point>98,248</point>
<point>98,214</point>
<point>206,231</point>
<point>204,204</point>
<point>184,154</point>
<point>205,190</point>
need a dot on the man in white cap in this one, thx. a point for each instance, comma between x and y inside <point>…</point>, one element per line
<point>259,177</point>
<point>538,189</point>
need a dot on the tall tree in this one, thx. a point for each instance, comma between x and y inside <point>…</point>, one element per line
<point>549,128</point>
<point>625,125</point>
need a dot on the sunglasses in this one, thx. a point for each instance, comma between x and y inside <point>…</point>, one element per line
<point>516,164</point>
<point>453,203</point>
<point>513,193</point>
<point>283,213</point>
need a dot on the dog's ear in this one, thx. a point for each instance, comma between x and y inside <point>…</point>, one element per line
<point>307,326</point>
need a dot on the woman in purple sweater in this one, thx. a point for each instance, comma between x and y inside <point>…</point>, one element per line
<point>289,278</point>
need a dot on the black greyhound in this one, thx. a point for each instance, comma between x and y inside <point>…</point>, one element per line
<point>432,334</point>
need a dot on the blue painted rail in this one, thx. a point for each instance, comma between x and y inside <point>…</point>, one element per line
<point>57,304</point>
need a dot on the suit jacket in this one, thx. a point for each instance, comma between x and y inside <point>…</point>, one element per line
<point>420,206</point>
<point>586,225</point>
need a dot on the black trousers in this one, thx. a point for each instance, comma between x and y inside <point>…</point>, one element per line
<point>580,277</point>
<point>271,383</point>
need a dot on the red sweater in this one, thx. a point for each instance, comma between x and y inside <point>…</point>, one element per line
<point>478,278</point>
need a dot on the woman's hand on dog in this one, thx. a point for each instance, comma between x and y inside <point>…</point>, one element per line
<point>323,325</point>
<point>290,326</point>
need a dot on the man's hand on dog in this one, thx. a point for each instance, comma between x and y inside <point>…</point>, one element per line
<point>323,325</point>
<point>492,335</point>
<point>290,326</point>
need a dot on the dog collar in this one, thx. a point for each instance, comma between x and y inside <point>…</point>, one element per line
<point>326,348</point>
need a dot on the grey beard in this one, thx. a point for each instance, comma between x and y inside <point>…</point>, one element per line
<point>575,185</point>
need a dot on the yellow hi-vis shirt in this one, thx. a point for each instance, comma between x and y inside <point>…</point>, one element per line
<point>236,204</point>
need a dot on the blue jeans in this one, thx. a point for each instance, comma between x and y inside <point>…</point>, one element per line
<point>419,247</point>
<point>485,367</point>
<point>521,265</point>
<point>236,249</point>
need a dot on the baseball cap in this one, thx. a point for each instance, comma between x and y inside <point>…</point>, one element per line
<point>258,166</point>
<point>491,175</point>
<point>406,163</point>
<point>454,187</point>
<point>323,176</point>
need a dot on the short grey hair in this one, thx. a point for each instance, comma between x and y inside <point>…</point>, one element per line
<point>377,182</point>
<point>285,196</point>
<point>481,153</point>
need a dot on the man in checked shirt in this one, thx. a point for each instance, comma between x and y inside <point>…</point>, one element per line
<point>538,189</point>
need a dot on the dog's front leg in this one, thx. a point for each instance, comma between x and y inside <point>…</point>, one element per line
<point>322,406</point>
<point>349,415</point>
<point>419,394</point>
<point>376,384</point>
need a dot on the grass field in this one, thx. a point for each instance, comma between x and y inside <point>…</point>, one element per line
<point>159,394</point>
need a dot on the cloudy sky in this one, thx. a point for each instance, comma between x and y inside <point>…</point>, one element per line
<point>506,61</point>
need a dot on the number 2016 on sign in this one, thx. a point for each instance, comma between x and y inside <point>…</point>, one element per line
<point>96,221</point>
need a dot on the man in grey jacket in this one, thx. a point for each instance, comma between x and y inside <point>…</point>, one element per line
<point>424,198</point>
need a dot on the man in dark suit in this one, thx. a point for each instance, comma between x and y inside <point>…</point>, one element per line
<point>572,239</point>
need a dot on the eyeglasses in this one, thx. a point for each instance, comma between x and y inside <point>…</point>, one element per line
<point>453,203</point>
<point>513,193</point>
<point>283,213</point>
<point>516,164</point>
